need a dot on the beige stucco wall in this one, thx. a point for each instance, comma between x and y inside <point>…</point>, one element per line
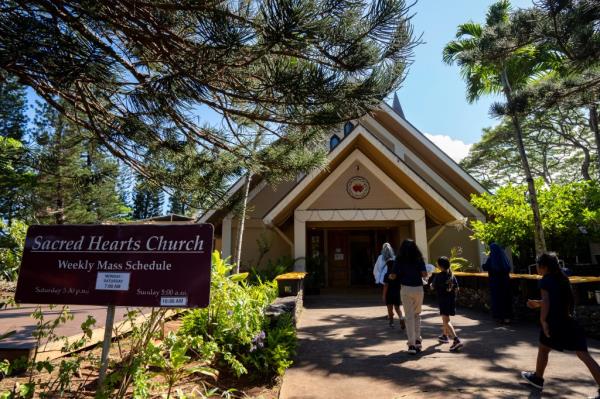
<point>253,231</point>
<point>217,244</point>
<point>267,198</point>
<point>451,237</point>
<point>379,197</point>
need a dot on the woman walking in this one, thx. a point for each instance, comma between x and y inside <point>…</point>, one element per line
<point>498,267</point>
<point>410,267</point>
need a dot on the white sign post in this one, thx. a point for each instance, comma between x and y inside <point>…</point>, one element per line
<point>108,327</point>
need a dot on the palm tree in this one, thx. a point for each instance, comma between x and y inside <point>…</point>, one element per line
<point>493,62</point>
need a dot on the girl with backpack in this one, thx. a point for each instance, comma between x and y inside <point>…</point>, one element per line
<point>446,286</point>
<point>559,330</point>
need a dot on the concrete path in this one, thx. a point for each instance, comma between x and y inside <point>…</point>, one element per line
<point>348,351</point>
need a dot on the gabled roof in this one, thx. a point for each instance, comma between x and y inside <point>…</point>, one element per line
<point>393,121</point>
<point>171,217</point>
<point>397,107</point>
<point>438,208</point>
<point>212,215</point>
<point>427,150</point>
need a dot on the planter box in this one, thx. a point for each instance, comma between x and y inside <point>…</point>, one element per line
<point>290,284</point>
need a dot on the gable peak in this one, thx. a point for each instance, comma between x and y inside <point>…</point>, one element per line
<point>397,107</point>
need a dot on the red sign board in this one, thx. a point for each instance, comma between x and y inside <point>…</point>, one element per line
<point>123,265</point>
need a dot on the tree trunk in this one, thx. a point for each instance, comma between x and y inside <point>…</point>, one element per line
<point>59,216</point>
<point>538,229</point>
<point>585,165</point>
<point>596,130</point>
<point>545,169</point>
<point>587,159</point>
<point>238,252</point>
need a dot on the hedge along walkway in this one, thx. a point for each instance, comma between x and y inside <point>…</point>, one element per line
<point>348,351</point>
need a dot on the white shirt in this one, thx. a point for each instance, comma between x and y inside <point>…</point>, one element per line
<point>379,270</point>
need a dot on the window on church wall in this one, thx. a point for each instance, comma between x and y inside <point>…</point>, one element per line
<point>333,142</point>
<point>348,128</point>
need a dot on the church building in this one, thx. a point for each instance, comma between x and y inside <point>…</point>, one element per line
<point>384,182</point>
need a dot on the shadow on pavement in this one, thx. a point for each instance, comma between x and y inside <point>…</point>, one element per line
<point>343,339</point>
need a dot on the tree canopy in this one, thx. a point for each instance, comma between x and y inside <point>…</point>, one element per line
<point>559,144</point>
<point>138,74</point>
<point>570,215</point>
<point>492,61</point>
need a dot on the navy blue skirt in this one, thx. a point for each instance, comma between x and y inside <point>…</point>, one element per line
<point>392,297</point>
<point>447,304</point>
<point>566,335</point>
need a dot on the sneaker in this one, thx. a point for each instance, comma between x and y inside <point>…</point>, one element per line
<point>456,345</point>
<point>391,322</point>
<point>443,339</point>
<point>412,350</point>
<point>533,379</point>
<point>418,345</point>
<point>402,324</point>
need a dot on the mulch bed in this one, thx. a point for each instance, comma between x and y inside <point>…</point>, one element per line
<point>84,385</point>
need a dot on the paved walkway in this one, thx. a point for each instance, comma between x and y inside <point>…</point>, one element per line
<point>348,351</point>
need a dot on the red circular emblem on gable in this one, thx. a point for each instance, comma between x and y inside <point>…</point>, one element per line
<point>358,187</point>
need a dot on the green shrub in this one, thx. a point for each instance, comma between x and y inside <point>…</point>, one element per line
<point>460,264</point>
<point>12,241</point>
<point>570,216</point>
<point>273,351</point>
<point>229,327</point>
<point>271,270</point>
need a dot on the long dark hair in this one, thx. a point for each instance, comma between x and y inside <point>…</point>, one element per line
<point>550,262</point>
<point>444,263</point>
<point>409,252</point>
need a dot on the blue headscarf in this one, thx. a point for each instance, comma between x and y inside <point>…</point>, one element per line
<point>498,261</point>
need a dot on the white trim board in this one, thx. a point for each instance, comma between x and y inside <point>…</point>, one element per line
<point>236,186</point>
<point>372,125</point>
<point>358,215</point>
<point>400,151</point>
<point>417,216</point>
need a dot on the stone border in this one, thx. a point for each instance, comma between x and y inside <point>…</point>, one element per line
<point>288,304</point>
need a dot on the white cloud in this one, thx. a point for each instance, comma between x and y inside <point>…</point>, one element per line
<point>455,148</point>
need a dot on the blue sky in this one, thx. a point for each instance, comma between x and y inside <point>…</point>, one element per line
<point>433,94</point>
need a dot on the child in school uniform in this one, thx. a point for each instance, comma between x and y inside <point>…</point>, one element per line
<point>446,286</point>
<point>391,294</point>
<point>559,330</point>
